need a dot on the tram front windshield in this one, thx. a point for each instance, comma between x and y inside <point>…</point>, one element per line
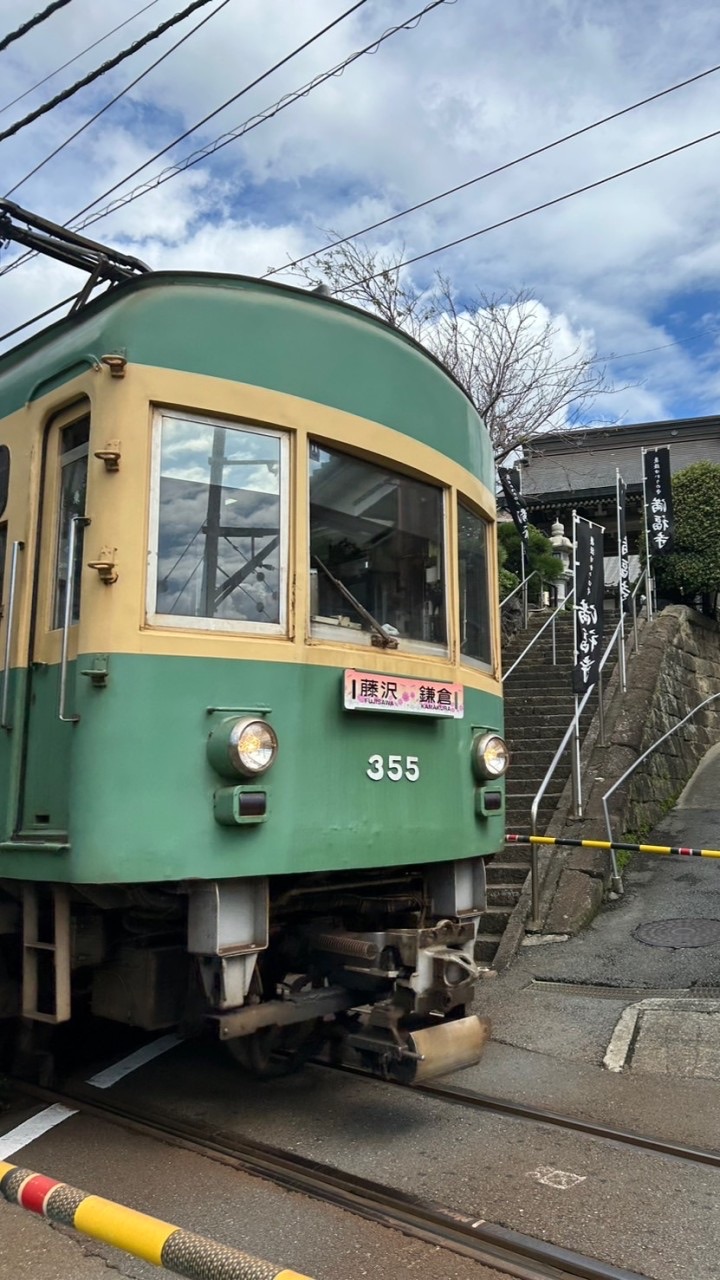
<point>380,534</point>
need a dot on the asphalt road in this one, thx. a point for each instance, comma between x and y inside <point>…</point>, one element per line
<point>554,1013</point>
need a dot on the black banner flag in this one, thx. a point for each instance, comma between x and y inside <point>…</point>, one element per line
<point>516,504</point>
<point>658,501</point>
<point>589,593</point>
<point>623,554</point>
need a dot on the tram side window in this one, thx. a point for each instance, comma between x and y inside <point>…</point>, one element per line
<point>3,556</point>
<point>74,442</point>
<point>220,510</point>
<point>380,535</point>
<point>475,621</point>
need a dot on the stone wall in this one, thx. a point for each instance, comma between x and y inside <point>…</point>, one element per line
<point>678,666</point>
<point>684,650</point>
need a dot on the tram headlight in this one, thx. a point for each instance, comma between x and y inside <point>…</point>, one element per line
<point>247,747</point>
<point>490,756</point>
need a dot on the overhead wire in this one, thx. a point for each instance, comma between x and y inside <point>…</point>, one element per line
<point>408,25</point>
<point>40,316</point>
<point>32,22</point>
<point>211,115</point>
<point>491,173</point>
<point>101,70</point>
<point>253,123</point>
<point>88,48</point>
<point>517,217</point>
<point>421,204</point>
<point>16,262</point>
<point>117,98</point>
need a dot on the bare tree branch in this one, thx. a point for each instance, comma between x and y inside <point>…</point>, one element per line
<point>503,349</point>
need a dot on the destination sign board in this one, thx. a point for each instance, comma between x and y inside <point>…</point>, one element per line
<point>368,691</point>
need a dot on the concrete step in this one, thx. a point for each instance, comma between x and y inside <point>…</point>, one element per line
<point>523,791</point>
<point>486,945</point>
<point>518,856</point>
<point>493,920</point>
<point>528,711</point>
<point>503,895</point>
<point>505,872</point>
<point>539,767</point>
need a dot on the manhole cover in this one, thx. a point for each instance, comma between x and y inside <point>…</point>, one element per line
<point>678,933</point>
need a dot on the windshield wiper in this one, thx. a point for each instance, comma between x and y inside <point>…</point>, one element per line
<point>381,637</point>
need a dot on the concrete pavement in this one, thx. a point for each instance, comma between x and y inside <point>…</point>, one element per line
<point>555,1013</point>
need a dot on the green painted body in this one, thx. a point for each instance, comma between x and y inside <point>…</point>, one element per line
<point>266,335</point>
<point>140,791</point>
<point>126,795</point>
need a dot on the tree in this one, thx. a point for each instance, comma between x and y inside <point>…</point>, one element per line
<point>692,569</point>
<point>539,557</point>
<point>503,349</point>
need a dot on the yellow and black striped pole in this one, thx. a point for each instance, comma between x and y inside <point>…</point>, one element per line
<point>671,851</point>
<point>144,1237</point>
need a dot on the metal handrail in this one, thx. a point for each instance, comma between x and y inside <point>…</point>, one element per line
<point>621,655</point>
<point>638,762</point>
<point>535,574</point>
<point>67,618</point>
<point>560,608</point>
<point>4,722</point>
<point>534,854</point>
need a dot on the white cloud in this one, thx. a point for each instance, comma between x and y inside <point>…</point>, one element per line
<point>473,86</point>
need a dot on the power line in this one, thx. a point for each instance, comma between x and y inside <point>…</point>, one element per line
<point>516,217</point>
<point>300,49</point>
<point>491,173</point>
<point>77,57</point>
<point>40,316</point>
<point>358,5</point>
<point>101,71</point>
<point>117,97</point>
<point>32,22</point>
<point>232,136</point>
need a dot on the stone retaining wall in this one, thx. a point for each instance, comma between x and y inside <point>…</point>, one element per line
<point>678,666</point>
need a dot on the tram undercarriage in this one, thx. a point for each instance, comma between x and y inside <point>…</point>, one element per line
<point>382,963</point>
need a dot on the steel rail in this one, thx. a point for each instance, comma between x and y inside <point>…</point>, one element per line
<point>542,1115</point>
<point>511,1252</point>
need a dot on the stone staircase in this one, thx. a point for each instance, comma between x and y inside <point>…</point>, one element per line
<point>539,704</point>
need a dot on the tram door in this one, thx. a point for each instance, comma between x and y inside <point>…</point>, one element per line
<point>51,721</point>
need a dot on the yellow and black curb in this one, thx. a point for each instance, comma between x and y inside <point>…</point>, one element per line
<point>671,851</point>
<point>138,1234</point>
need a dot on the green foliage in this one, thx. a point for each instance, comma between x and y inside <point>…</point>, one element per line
<point>693,568</point>
<point>539,555</point>
<point>508,582</point>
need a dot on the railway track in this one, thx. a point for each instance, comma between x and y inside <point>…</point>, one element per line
<point>509,1252</point>
<point>541,1115</point>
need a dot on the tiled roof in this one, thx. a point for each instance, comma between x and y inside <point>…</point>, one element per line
<point>586,461</point>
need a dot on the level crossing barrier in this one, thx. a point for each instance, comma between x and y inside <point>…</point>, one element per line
<point>176,1250</point>
<point>669,850</point>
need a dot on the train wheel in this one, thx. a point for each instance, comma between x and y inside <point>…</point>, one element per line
<point>277,1051</point>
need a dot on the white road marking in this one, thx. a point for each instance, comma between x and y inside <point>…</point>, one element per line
<point>111,1075</point>
<point>556,1177</point>
<point>33,1128</point>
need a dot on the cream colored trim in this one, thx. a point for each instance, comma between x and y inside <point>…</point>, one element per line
<point>113,619</point>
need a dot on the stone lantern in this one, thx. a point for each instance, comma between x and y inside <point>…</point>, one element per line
<point>562,547</point>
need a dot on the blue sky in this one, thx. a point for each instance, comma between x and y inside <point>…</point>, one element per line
<point>630,267</point>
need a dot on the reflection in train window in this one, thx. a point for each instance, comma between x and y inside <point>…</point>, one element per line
<point>3,556</point>
<point>220,518</point>
<point>377,558</point>
<point>4,477</point>
<point>475,622</point>
<point>74,444</point>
